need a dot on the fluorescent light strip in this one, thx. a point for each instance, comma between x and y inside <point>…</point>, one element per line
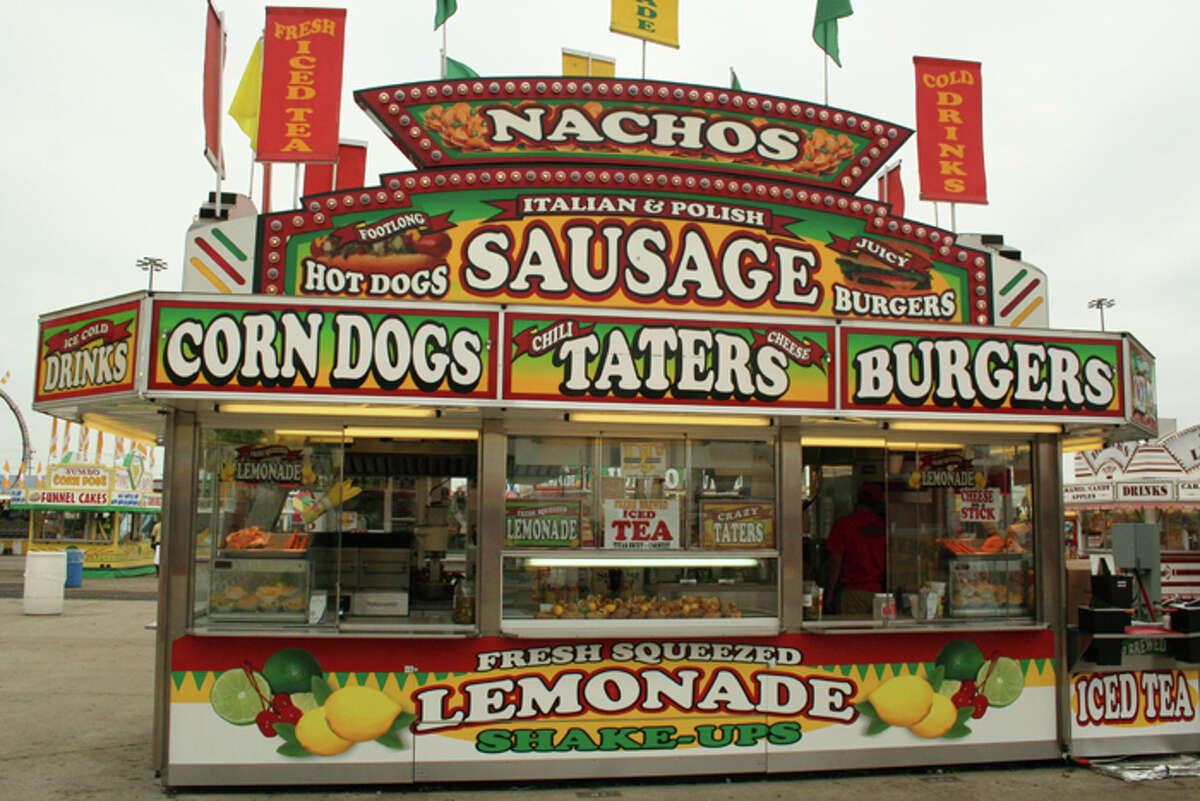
<point>380,431</point>
<point>616,561</point>
<point>412,433</point>
<point>670,419</point>
<point>980,426</point>
<point>1083,444</point>
<point>924,446</point>
<point>344,410</point>
<point>118,430</point>
<point>842,442</point>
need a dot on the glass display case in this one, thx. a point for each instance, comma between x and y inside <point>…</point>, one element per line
<point>257,586</point>
<point>644,590</point>
<point>989,585</point>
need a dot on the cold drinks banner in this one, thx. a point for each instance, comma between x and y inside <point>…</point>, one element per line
<point>301,84</point>
<point>950,130</point>
<point>87,353</point>
<point>338,350</point>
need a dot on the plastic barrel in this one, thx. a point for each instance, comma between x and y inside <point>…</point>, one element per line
<point>74,568</point>
<point>45,575</point>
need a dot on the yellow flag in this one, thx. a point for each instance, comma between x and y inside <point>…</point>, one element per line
<point>652,20</point>
<point>244,108</point>
<point>578,63</point>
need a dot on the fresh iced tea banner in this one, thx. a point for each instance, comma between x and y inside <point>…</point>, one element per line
<point>593,358</point>
<point>333,349</point>
<point>88,353</point>
<point>890,370</point>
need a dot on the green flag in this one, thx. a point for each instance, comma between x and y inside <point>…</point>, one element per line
<point>734,83</point>
<point>446,8</point>
<point>825,26</point>
<point>456,70</point>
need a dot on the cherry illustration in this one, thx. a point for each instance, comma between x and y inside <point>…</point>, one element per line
<point>266,721</point>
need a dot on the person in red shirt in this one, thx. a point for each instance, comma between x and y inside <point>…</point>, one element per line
<point>856,555</point>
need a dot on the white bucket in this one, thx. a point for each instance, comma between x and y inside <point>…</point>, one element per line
<point>45,575</point>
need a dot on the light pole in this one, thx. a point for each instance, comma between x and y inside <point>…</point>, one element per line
<point>152,265</point>
<point>1101,304</point>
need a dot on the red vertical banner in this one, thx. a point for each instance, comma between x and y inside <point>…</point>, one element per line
<point>950,130</point>
<point>301,84</point>
<point>351,169</point>
<point>214,61</point>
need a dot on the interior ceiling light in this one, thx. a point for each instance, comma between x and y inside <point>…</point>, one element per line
<point>980,426</point>
<point>334,410</point>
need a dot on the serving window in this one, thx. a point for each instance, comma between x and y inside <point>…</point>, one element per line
<point>639,528</point>
<point>922,531</point>
<point>332,532</point>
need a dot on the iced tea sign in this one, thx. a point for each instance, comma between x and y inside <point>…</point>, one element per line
<point>641,525</point>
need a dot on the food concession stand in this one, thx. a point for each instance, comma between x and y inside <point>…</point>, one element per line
<point>105,511</point>
<point>520,464</point>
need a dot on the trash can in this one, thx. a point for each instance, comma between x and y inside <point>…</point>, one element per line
<point>45,575</point>
<point>74,568</point>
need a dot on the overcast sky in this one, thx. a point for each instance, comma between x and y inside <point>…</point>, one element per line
<point>1089,133</point>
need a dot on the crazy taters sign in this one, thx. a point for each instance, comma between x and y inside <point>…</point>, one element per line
<point>586,358</point>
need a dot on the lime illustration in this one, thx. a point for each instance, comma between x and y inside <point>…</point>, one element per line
<point>235,699</point>
<point>305,702</point>
<point>291,670</point>
<point>941,718</point>
<point>902,700</point>
<point>314,734</point>
<point>961,659</point>
<point>1003,683</point>
<point>949,687</point>
<point>360,713</point>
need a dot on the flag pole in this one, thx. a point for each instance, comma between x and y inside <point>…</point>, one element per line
<point>826,79</point>
<point>953,218</point>
<point>643,59</point>
<point>444,26</point>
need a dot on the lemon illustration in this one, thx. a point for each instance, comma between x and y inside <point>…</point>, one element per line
<point>314,734</point>
<point>902,700</point>
<point>360,713</point>
<point>941,718</point>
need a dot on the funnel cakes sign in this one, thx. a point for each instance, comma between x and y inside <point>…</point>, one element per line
<point>634,194</point>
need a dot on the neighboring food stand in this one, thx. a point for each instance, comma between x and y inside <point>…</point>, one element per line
<point>1137,504</point>
<point>521,464</point>
<point>106,512</point>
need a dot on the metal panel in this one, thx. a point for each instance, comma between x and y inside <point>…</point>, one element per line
<point>175,576</point>
<point>493,453</point>
<point>292,774</point>
<point>790,535</point>
<point>859,758</point>
<point>674,764</point>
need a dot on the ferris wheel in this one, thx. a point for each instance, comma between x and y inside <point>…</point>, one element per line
<point>26,454</point>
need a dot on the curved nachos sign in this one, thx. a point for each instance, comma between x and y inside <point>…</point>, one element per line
<point>631,194</point>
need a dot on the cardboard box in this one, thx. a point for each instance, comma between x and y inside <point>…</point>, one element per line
<point>390,604</point>
<point>1079,587</point>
